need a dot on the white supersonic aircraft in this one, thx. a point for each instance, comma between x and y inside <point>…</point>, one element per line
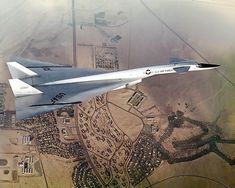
<point>41,87</point>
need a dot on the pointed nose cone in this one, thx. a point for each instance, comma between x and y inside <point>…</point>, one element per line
<point>207,66</point>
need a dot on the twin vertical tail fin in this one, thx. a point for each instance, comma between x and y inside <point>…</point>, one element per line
<point>19,71</point>
<point>20,88</point>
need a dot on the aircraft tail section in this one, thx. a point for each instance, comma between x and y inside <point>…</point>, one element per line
<point>19,71</point>
<point>21,88</point>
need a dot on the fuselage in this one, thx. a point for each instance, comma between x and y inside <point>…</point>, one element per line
<point>42,87</point>
<point>139,73</point>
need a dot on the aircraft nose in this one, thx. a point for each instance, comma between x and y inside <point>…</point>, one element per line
<point>204,65</point>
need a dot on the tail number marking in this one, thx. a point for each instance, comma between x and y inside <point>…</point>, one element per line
<point>57,97</point>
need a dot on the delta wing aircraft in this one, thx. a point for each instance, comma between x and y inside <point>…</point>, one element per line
<point>41,87</point>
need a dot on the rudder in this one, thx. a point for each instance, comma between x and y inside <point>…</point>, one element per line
<point>20,88</point>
